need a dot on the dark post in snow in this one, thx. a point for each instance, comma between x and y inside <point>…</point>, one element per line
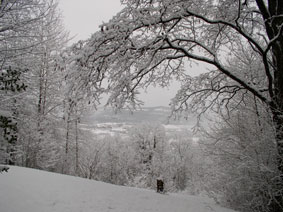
<point>4,169</point>
<point>160,185</point>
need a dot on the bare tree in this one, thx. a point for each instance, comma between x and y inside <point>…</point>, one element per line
<point>243,171</point>
<point>18,20</point>
<point>151,42</point>
<point>31,38</point>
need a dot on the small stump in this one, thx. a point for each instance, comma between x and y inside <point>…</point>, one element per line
<point>160,185</point>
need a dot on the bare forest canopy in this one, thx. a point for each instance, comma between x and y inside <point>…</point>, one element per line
<point>46,87</point>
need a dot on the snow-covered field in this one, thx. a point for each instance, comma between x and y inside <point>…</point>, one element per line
<point>29,190</point>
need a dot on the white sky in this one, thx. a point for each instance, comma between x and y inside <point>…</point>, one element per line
<point>82,18</point>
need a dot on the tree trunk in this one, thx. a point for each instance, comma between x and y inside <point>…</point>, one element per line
<point>273,18</point>
<point>277,105</point>
<point>65,164</point>
<point>277,111</point>
<point>77,147</point>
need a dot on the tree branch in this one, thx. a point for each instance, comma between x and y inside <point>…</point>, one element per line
<point>220,68</point>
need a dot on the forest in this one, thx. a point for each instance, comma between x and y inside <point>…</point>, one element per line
<point>48,84</point>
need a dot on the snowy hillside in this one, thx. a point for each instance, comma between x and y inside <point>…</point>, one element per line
<point>29,190</point>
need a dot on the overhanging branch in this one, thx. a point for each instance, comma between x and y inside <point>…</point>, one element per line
<point>215,63</point>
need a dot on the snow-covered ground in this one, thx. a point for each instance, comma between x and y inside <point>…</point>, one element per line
<point>29,190</point>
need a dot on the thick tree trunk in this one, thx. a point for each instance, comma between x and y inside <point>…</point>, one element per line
<point>277,110</point>
<point>276,205</point>
<point>277,107</point>
<point>272,14</point>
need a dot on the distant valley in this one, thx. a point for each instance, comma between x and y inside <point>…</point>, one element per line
<point>106,122</point>
<point>145,115</point>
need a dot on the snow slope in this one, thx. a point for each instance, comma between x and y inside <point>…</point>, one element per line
<point>29,190</point>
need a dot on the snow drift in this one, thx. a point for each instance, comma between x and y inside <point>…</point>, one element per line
<point>30,190</point>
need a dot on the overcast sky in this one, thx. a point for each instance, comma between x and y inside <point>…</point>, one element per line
<point>82,18</point>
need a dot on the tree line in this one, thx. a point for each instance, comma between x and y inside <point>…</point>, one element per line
<point>46,85</point>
